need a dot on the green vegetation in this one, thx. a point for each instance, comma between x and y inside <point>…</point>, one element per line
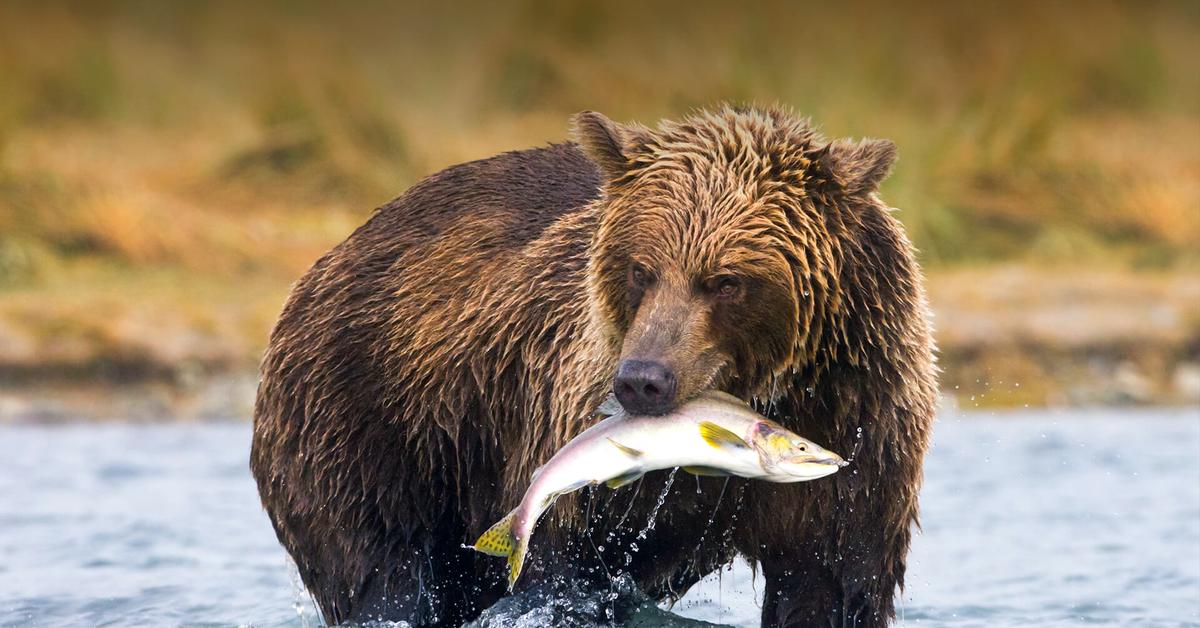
<point>174,166</point>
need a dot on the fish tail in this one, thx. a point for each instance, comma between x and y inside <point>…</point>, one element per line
<point>516,560</point>
<point>498,540</point>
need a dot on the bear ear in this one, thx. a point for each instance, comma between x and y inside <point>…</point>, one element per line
<point>610,145</point>
<point>858,167</point>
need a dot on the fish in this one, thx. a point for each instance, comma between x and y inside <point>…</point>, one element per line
<point>714,434</point>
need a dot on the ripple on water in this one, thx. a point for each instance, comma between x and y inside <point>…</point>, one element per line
<point>117,472</point>
<point>1029,519</point>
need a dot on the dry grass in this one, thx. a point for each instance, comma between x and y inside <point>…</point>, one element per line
<point>166,169</point>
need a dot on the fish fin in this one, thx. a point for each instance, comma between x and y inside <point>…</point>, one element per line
<point>623,479</point>
<point>610,406</point>
<point>498,540</point>
<point>718,436</point>
<point>707,471</point>
<point>636,453</point>
<point>516,560</point>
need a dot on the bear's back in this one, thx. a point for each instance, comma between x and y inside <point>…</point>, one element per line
<point>426,253</point>
<point>518,193</point>
<point>413,292</point>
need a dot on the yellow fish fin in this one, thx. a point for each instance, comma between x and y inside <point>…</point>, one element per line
<point>498,540</point>
<point>709,471</point>
<point>516,560</point>
<point>622,480</point>
<point>718,436</point>
<point>636,453</point>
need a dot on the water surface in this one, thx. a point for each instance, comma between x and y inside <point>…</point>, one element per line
<point>1029,519</point>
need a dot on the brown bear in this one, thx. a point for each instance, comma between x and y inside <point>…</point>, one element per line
<point>423,368</point>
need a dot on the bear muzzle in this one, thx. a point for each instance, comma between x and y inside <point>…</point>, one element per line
<point>645,387</point>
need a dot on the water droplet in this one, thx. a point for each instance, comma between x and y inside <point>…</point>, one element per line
<point>662,498</point>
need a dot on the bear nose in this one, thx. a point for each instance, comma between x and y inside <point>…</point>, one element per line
<point>644,387</point>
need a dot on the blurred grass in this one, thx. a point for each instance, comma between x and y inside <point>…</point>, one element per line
<point>181,163</point>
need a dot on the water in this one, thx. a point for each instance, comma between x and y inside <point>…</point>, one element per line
<point>1029,519</point>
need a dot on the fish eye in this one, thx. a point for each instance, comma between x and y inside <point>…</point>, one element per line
<point>801,446</point>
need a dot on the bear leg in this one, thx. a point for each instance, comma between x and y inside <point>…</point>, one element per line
<point>798,595</point>
<point>817,581</point>
<point>428,584</point>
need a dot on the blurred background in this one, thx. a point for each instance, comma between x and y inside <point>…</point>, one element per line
<point>167,169</point>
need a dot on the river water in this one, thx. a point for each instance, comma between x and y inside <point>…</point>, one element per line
<point>1029,518</point>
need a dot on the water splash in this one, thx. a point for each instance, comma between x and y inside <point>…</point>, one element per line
<point>598,549</point>
<point>858,441</point>
<point>573,603</point>
<point>637,489</point>
<point>737,509</point>
<point>662,498</point>
<point>300,595</point>
<point>711,517</point>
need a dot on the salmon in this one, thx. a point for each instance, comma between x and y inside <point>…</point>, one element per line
<point>714,434</point>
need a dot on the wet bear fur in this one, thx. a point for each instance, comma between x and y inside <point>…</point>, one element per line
<point>424,367</point>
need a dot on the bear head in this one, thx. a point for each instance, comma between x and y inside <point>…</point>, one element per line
<point>718,256</point>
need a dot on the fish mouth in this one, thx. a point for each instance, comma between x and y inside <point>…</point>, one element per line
<point>793,471</point>
<point>834,461</point>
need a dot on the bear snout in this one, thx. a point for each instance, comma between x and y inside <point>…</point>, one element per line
<point>645,387</point>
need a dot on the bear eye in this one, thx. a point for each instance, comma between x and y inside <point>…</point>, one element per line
<point>727,287</point>
<point>638,275</point>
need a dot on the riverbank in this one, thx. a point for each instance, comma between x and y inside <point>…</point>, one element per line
<point>1012,337</point>
<point>183,349</point>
